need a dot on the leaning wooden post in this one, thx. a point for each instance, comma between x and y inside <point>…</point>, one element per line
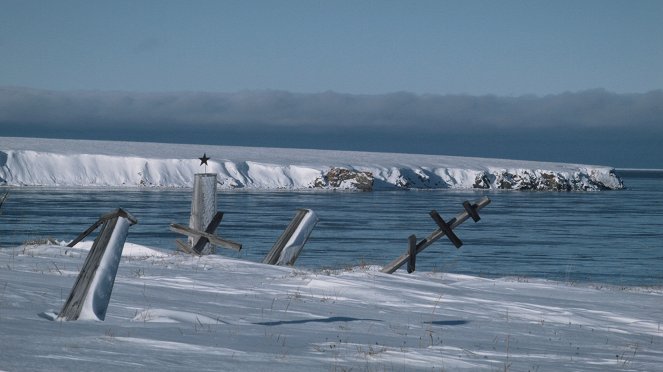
<point>203,203</point>
<point>289,245</point>
<point>91,293</point>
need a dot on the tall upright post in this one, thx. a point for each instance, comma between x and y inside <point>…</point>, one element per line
<point>203,202</point>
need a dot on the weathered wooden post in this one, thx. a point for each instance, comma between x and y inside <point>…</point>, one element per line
<point>287,248</point>
<point>203,203</point>
<point>91,293</point>
<point>204,218</point>
<point>412,253</point>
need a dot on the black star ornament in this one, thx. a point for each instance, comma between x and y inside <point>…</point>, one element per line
<point>204,159</point>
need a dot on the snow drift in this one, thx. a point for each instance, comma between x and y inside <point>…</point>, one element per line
<point>174,312</point>
<point>70,163</point>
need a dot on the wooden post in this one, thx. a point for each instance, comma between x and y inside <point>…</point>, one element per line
<point>91,293</point>
<point>437,234</point>
<point>412,253</point>
<point>287,248</point>
<point>203,203</point>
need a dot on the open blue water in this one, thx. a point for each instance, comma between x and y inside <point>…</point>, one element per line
<point>612,237</point>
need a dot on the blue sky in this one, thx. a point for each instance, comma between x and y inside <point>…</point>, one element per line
<point>98,53</point>
<point>363,47</point>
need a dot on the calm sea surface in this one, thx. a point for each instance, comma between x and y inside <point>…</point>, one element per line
<point>612,237</point>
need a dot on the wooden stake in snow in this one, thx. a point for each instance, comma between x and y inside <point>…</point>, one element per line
<point>203,216</point>
<point>444,228</point>
<point>287,248</point>
<point>412,253</point>
<point>91,293</point>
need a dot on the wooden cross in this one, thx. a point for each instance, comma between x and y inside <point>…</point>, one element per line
<point>204,237</point>
<point>444,228</point>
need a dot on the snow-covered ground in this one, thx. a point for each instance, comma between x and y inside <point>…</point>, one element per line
<point>171,311</point>
<point>66,163</point>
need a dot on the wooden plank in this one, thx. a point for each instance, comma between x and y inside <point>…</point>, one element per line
<point>109,215</point>
<point>445,227</point>
<point>105,217</point>
<point>273,256</point>
<point>412,254</point>
<point>200,245</point>
<point>87,232</point>
<point>184,247</point>
<point>213,239</point>
<point>471,210</point>
<point>202,241</point>
<point>437,234</point>
<point>123,213</point>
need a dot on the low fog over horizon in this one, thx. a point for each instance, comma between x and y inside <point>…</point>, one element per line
<point>592,127</point>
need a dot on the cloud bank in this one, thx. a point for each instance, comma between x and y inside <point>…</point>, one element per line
<point>594,108</point>
<point>593,126</point>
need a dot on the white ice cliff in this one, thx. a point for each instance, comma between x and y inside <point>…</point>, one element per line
<point>70,163</point>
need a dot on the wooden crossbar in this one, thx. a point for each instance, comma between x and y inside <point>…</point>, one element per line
<point>213,239</point>
<point>202,241</point>
<point>105,217</point>
<point>184,247</point>
<point>85,233</point>
<point>444,226</point>
<point>472,210</point>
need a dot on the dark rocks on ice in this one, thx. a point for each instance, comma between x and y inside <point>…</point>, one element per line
<point>341,178</point>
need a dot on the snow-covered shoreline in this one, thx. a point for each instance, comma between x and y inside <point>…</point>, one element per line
<point>173,312</point>
<point>77,163</point>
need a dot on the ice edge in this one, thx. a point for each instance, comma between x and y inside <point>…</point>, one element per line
<point>36,168</point>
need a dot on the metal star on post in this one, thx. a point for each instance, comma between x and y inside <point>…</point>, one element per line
<point>204,160</point>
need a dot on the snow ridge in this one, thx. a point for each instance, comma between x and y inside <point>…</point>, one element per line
<point>25,163</point>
